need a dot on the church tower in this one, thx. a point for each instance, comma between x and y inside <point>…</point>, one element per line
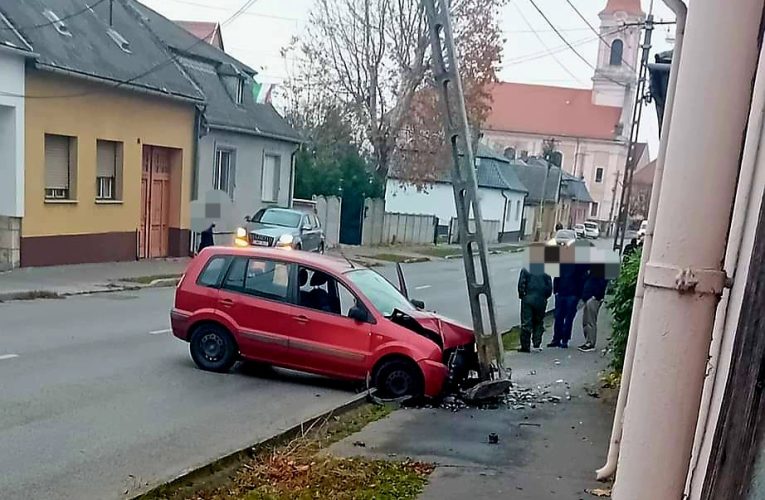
<point>618,55</point>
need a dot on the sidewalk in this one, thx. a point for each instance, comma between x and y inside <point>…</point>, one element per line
<point>548,451</point>
<point>31,282</point>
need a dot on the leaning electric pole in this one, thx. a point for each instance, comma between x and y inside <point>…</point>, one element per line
<point>637,113</point>
<point>456,129</point>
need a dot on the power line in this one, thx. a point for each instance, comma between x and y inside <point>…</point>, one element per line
<point>87,8</point>
<point>562,48</point>
<point>602,38</point>
<point>247,4</point>
<point>560,35</point>
<point>541,41</point>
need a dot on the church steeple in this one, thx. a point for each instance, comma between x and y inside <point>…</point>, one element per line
<point>618,52</point>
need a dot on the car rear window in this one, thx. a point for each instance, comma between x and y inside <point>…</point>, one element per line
<point>263,278</point>
<point>213,271</point>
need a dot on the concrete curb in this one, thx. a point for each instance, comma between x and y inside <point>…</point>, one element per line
<point>39,294</point>
<point>191,474</point>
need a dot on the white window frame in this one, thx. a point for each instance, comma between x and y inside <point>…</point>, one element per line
<point>276,180</point>
<point>230,174</point>
<point>594,209</point>
<point>106,186</point>
<point>602,174</point>
<point>240,91</point>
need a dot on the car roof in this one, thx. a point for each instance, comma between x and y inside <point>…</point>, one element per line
<point>322,262</point>
<point>281,209</point>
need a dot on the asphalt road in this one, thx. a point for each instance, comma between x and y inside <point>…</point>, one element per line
<point>98,400</point>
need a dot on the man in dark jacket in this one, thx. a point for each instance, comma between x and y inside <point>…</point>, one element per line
<point>593,293</point>
<point>568,290</point>
<point>534,288</point>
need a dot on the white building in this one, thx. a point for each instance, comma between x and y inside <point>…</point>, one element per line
<point>590,127</point>
<point>501,196</point>
<point>13,52</point>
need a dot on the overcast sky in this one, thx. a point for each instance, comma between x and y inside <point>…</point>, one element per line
<point>257,36</point>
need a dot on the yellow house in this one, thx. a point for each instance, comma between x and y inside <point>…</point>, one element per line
<point>109,139</point>
<point>108,175</point>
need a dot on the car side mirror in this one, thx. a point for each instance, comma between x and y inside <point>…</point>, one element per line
<point>418,304</point>
<point>306,227</point>
<point>247,218</point>
<point>359,314</point>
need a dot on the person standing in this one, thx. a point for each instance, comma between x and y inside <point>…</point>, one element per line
<point>630,248</point>
<point>534,288</point>
<point>593,292</point>
<point>568,290</point>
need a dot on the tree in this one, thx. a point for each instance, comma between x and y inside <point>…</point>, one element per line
<point>370,57</point>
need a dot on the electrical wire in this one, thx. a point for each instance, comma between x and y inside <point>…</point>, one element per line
<point>542,42</point>
<point>87,8</point>
<point>562,48</point>
<point>172,59</point>
<point>592,28</point>
<point>560,35</point>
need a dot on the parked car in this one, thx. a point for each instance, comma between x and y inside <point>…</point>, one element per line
<point>564,237</point>
<point>317,314</point>
<point>591,230</point>
<point>579,230</point>
<point>282,228</point>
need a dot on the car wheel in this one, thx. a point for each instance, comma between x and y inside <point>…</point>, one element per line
<point>213,348</point>
<point>298,247</point>
<point>398,378</point>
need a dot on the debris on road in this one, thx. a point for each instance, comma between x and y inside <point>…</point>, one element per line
<point>360,444</point>
<point>493,438</point>
<point>599,492</point>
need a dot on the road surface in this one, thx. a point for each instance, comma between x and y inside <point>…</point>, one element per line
<point>98,400</point>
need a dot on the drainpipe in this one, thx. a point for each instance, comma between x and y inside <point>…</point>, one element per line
<point>504,213</point>
<point>683,277</point>
<point>708,419</point>
<point>608,470</point>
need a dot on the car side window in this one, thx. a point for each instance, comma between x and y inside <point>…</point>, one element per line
<point>320,291</point>
<point>213,271</point>
<point>316,222</point>
<point>262,278</point>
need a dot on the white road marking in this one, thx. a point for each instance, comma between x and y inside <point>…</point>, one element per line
<point>423,287</point>
<point>160,332</point>
<point>8,356</point>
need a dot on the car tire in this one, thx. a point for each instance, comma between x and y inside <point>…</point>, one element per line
<point>213,348</point>
<point>298,247</point>
<point>398,378</point>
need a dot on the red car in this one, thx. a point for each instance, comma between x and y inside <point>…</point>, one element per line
<point>317,314</point>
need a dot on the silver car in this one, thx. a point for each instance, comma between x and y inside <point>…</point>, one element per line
<point>282,228</point>
<point>564,237</point>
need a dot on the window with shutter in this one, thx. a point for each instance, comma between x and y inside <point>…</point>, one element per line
<point>108,169</point>
<point>58,167</point>
<point>270,180</point>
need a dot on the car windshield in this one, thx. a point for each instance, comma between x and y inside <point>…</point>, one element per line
<point>384,296</point>
<point>565,234</point>
<point>274,217</point>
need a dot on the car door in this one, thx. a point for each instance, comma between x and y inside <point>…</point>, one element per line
<point>255,296</point>
<point>308,234</point>
<point>324,339</point>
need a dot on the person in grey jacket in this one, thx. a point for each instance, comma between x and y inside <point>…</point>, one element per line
<point>534,288</point>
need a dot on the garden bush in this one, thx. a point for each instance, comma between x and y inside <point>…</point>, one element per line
<point>620,304</point>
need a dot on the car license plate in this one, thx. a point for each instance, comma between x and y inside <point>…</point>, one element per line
<point>260,243</point>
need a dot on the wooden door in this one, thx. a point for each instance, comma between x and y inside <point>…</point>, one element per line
<point>154,232</point>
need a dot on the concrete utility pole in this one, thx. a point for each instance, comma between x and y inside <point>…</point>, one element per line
<point>637,113</point>
<point>457,133</point>
<point>613,204</point>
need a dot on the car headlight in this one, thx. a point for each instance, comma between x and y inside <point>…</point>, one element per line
<point>241,232</point>
<point>286,239</point>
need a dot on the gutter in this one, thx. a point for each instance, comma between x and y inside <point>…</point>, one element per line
<point>18,51</point>
<point>292,175</point>
<point>120,84</point>
<point>504,212</point>
<point>230,128</point>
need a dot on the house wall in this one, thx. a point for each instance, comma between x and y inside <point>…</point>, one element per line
<point>581,157</point>
<point>11,158</point>
<point>84,230</point>
<point>250,153</point>
<point>438,200</point>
